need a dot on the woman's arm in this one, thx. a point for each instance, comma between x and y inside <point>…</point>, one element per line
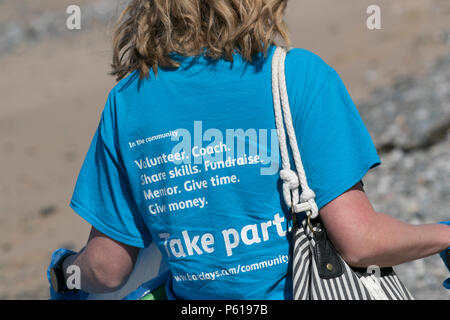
<point>104,263</point>
<point>365,237</point>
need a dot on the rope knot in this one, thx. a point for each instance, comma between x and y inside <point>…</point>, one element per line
<point>314,208</point>
<point>290,178</point>
<point>307,195</point>
<point>308,206</point>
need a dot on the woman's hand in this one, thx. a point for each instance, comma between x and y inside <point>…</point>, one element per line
<point>364,237</point>
<point>57,255</point>
<point>445,256</point>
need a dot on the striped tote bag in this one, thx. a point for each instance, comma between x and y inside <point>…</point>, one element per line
<point>318,271</point>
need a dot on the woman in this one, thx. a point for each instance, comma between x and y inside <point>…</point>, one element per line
<point>186,156</point>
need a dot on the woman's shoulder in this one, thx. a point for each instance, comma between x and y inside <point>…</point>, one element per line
<point>128,83</point>
<point>302,55</point>
<point>305,62</point>
<point>306,73</point>
<point>128,88</point>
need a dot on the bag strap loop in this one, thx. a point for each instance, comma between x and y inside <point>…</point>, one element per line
<point>292,180</point>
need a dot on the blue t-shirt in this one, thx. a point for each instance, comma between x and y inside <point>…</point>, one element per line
<point>190,160</point>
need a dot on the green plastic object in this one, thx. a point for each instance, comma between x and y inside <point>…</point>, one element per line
<point>157,294</point>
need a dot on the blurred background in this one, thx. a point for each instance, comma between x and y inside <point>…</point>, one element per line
<point>54,84</point>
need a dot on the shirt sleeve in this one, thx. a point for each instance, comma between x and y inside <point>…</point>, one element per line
<point>102,194</point>
<point>336,147</point>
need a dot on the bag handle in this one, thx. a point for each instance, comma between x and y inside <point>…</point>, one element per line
<point>292,180</point>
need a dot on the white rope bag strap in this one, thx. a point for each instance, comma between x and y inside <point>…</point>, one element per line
<point>292,180</point>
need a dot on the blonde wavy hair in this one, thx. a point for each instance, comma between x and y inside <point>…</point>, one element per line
<point>148,30</point>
